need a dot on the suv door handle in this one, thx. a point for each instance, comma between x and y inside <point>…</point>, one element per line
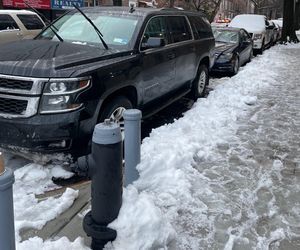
<point>171,56</point>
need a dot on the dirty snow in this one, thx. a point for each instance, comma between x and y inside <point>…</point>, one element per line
<point>225,176</point>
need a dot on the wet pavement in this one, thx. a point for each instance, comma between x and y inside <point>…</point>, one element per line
<point>255,179</point>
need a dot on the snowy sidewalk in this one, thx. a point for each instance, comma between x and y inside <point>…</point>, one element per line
<point>225,176</point>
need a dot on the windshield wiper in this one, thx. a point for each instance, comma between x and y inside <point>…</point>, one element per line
<point>94,26</point>
<point>50,25</point>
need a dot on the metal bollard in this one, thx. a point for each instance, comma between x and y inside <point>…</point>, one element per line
<point>132,120</point>
<point>7,226</point>
<point>105,170</point>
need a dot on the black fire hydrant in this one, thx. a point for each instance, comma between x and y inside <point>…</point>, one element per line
<point>104,167</point>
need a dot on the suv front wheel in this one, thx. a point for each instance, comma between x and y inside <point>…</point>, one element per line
<point>114,110</point>
<point>200,83</point>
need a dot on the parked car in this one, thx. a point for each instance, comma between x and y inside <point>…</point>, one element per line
<point>275,32</point>
<point>279,24</point>
<point>234,47</point>
<point>56,88</point>
<point>19,24</point>
<point>257,26</point>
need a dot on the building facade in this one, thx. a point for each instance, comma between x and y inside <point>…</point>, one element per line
<point>272,9</point>
<point>231,8</point>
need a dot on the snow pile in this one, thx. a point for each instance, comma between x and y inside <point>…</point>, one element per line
<point>62,243</point>
<point>30,212</point>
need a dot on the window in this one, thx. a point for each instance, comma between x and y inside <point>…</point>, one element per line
<point>7,23</point>
<point>118,31</point>
<point>156,27</point>
<point>179,29</point>
<point>31,22</point>
<point>201,27</point>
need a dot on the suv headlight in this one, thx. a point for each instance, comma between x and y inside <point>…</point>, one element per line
<point>60,95</point>
<point>257,36</point>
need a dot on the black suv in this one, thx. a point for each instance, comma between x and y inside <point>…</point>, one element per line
<point>93,63</point>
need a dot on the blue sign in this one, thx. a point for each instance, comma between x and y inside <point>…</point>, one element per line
<point>65,4</point>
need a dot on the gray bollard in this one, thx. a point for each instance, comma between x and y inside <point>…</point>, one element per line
<point>7,226</point>
<point>104,165</point>
<point>132,128</point>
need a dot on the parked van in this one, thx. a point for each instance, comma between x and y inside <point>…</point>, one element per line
<point>19,24</point>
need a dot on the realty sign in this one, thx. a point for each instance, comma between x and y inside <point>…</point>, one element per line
<point>65,4</point>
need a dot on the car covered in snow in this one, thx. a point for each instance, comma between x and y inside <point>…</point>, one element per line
<point>257,26</point>
<point>19,24</point>
<point>93,63</point>
<point>234,47</point>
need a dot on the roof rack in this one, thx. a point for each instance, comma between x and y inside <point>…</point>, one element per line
<point>171,9</point>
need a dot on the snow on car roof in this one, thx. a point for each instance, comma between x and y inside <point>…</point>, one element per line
<point>248,22</point>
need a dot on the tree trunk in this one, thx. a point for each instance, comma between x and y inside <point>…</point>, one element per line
<point>212,15</point>
<point>288,31</point>
<point>297,12</point>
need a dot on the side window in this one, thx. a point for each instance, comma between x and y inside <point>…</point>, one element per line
<point>31,22</point>
<point>242,36</point>
<point>194,28</point>
<point>7,23</point>
<point>156,27</point>
<point>202,27</point>
<point>179,29</point>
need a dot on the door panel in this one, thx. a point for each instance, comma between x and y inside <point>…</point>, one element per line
<point>184,46</point>
<point>9,30</point>
<point>158,64</point>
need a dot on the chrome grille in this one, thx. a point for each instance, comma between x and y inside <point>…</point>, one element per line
<point>19,96</point>
<point>15,84</point>
<point>13,106</point>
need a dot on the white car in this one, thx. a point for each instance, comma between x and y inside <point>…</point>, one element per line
<point>279,24</point>
<point>19,24</point>
<point>257,26</point>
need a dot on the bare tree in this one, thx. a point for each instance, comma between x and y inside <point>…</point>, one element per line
<point>210,7</point>
<point>289,17</point>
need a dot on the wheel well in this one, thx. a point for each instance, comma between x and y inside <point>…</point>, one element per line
<point>205,61</point>
<point>129,92</point>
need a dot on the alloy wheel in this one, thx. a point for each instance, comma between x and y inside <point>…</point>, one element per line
<point>202,82</point>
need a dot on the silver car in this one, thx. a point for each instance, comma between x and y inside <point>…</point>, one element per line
<point>19,24</point>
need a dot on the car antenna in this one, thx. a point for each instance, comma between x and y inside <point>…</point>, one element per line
<point>50,25</point>
<point>132,9</point>
<point>94,26</point>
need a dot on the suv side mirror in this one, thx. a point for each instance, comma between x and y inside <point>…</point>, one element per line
<point>154,42</point>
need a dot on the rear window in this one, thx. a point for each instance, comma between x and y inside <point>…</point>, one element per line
<point>201,27</point>
<point>179,29</point>
<point>31,22</point>
<point>7,22</point>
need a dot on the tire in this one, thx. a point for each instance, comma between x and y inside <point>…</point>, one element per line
<point>114,110</point>
<point>261,50</point>
<point>200,82</point>
<point>236,66</point>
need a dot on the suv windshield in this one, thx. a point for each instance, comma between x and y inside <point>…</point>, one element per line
<point>226,36</point>
<point>74,28</point>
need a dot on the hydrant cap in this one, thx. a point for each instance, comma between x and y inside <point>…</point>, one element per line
<point>107,133</point>
<point>132,114</point>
